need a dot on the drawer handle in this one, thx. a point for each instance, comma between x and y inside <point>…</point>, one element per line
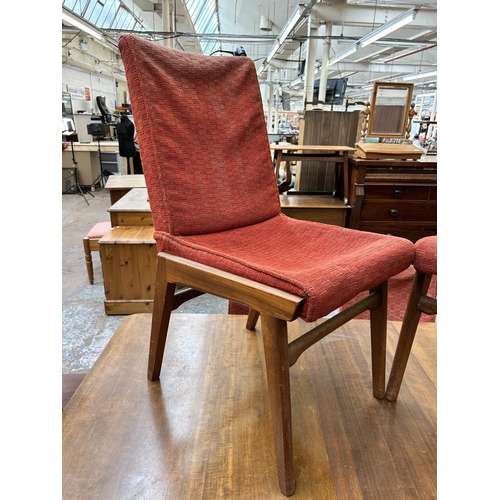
<point>394,212</point>
<point>397,193</point>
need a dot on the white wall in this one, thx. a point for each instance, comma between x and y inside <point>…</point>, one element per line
<point>89,73</point>
<point>85,86</point>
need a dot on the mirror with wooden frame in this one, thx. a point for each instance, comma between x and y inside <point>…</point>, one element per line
<point>390,109</point>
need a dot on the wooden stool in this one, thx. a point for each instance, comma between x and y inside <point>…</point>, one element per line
<point>91,244</point>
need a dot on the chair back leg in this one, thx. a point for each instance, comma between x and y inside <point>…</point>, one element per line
<point>378,332</point>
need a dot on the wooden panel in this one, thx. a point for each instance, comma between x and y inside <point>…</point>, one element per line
<point>203,429</point>
<point>325,128</point>
<point>131,218</point>
<point>317,208</point>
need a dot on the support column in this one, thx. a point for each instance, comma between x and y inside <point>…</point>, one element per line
<point>312,31</point>
<point>324,64</point>
<point>270,105</point>
<point>167,22</point>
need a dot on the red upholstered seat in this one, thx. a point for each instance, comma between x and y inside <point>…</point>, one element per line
<point>219,227</point>
<point>321,263</point>
<point>426,255</point>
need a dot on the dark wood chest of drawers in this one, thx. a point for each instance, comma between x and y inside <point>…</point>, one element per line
<point>396,197</point>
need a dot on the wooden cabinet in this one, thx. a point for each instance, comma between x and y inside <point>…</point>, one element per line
<point>128,257</point>
<point>396,197</point>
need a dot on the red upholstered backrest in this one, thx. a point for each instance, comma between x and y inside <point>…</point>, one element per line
<point>202,138</point>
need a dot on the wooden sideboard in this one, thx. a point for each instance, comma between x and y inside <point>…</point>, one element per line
<point>397,197</point>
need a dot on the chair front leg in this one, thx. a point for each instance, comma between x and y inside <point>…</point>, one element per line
<point>378,329</point>
<point>162,309</point>
<point>275,338</point>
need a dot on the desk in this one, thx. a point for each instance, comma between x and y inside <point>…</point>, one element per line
<point>291,152</point>
<point>87,157</point>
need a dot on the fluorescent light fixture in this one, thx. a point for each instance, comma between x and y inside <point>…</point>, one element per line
<point>416,76</point>
<point>290,25</point>
<point>343,54</point>
<point>80,23</point>
<point>396,23</point>
<point>296,82</point>
<point>273,51</point>
<point>300,12</point>
<point>345,75</point>
<point>411,52</point>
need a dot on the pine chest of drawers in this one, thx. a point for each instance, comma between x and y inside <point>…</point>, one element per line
<point>397,197</point>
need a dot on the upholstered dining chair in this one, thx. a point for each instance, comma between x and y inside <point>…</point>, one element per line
<point>419,302</point>
<point>220,230</point>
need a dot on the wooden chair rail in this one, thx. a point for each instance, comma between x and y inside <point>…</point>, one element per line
<point>262,298</point>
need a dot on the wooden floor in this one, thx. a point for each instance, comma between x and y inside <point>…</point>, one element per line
<point>203,431</point>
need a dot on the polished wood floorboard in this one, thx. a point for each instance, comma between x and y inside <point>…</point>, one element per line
<point>203,430</point>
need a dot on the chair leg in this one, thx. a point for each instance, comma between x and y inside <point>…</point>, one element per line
<point>275,338</point>
<point>378,329</point>
<point>409,327</point>
<point>252,319</point>
<point>88,259</point>
<point>162,309</point>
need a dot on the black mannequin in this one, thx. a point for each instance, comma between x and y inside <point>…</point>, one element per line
<point>125,131</point>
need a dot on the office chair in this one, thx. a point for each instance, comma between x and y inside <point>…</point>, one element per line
<point>225,234</point>
<point>107,116</point>
<point>419,302</point>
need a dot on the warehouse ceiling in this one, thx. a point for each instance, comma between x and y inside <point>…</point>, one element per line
<point>329,34</point>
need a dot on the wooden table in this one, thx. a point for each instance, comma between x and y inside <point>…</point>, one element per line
<point>204,430</point>
<point>292,152</point>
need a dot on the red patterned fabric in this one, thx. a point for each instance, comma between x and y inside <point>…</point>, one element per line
<point>426,255</point>
<point>212,189</point>
<point>204,145</point>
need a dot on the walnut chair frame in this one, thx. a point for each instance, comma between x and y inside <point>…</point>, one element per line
<point>219,233</point>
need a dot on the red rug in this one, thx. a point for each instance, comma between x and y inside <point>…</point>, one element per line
<point>399,292</point>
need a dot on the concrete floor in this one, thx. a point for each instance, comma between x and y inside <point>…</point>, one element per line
<point>86,328</point>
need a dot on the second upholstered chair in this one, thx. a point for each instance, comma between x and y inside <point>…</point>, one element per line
<point>419,302</point>
<point>219,227</point>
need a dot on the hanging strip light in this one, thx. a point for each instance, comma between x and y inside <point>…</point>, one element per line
<point>80,23</point>
<point>396,23</point>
